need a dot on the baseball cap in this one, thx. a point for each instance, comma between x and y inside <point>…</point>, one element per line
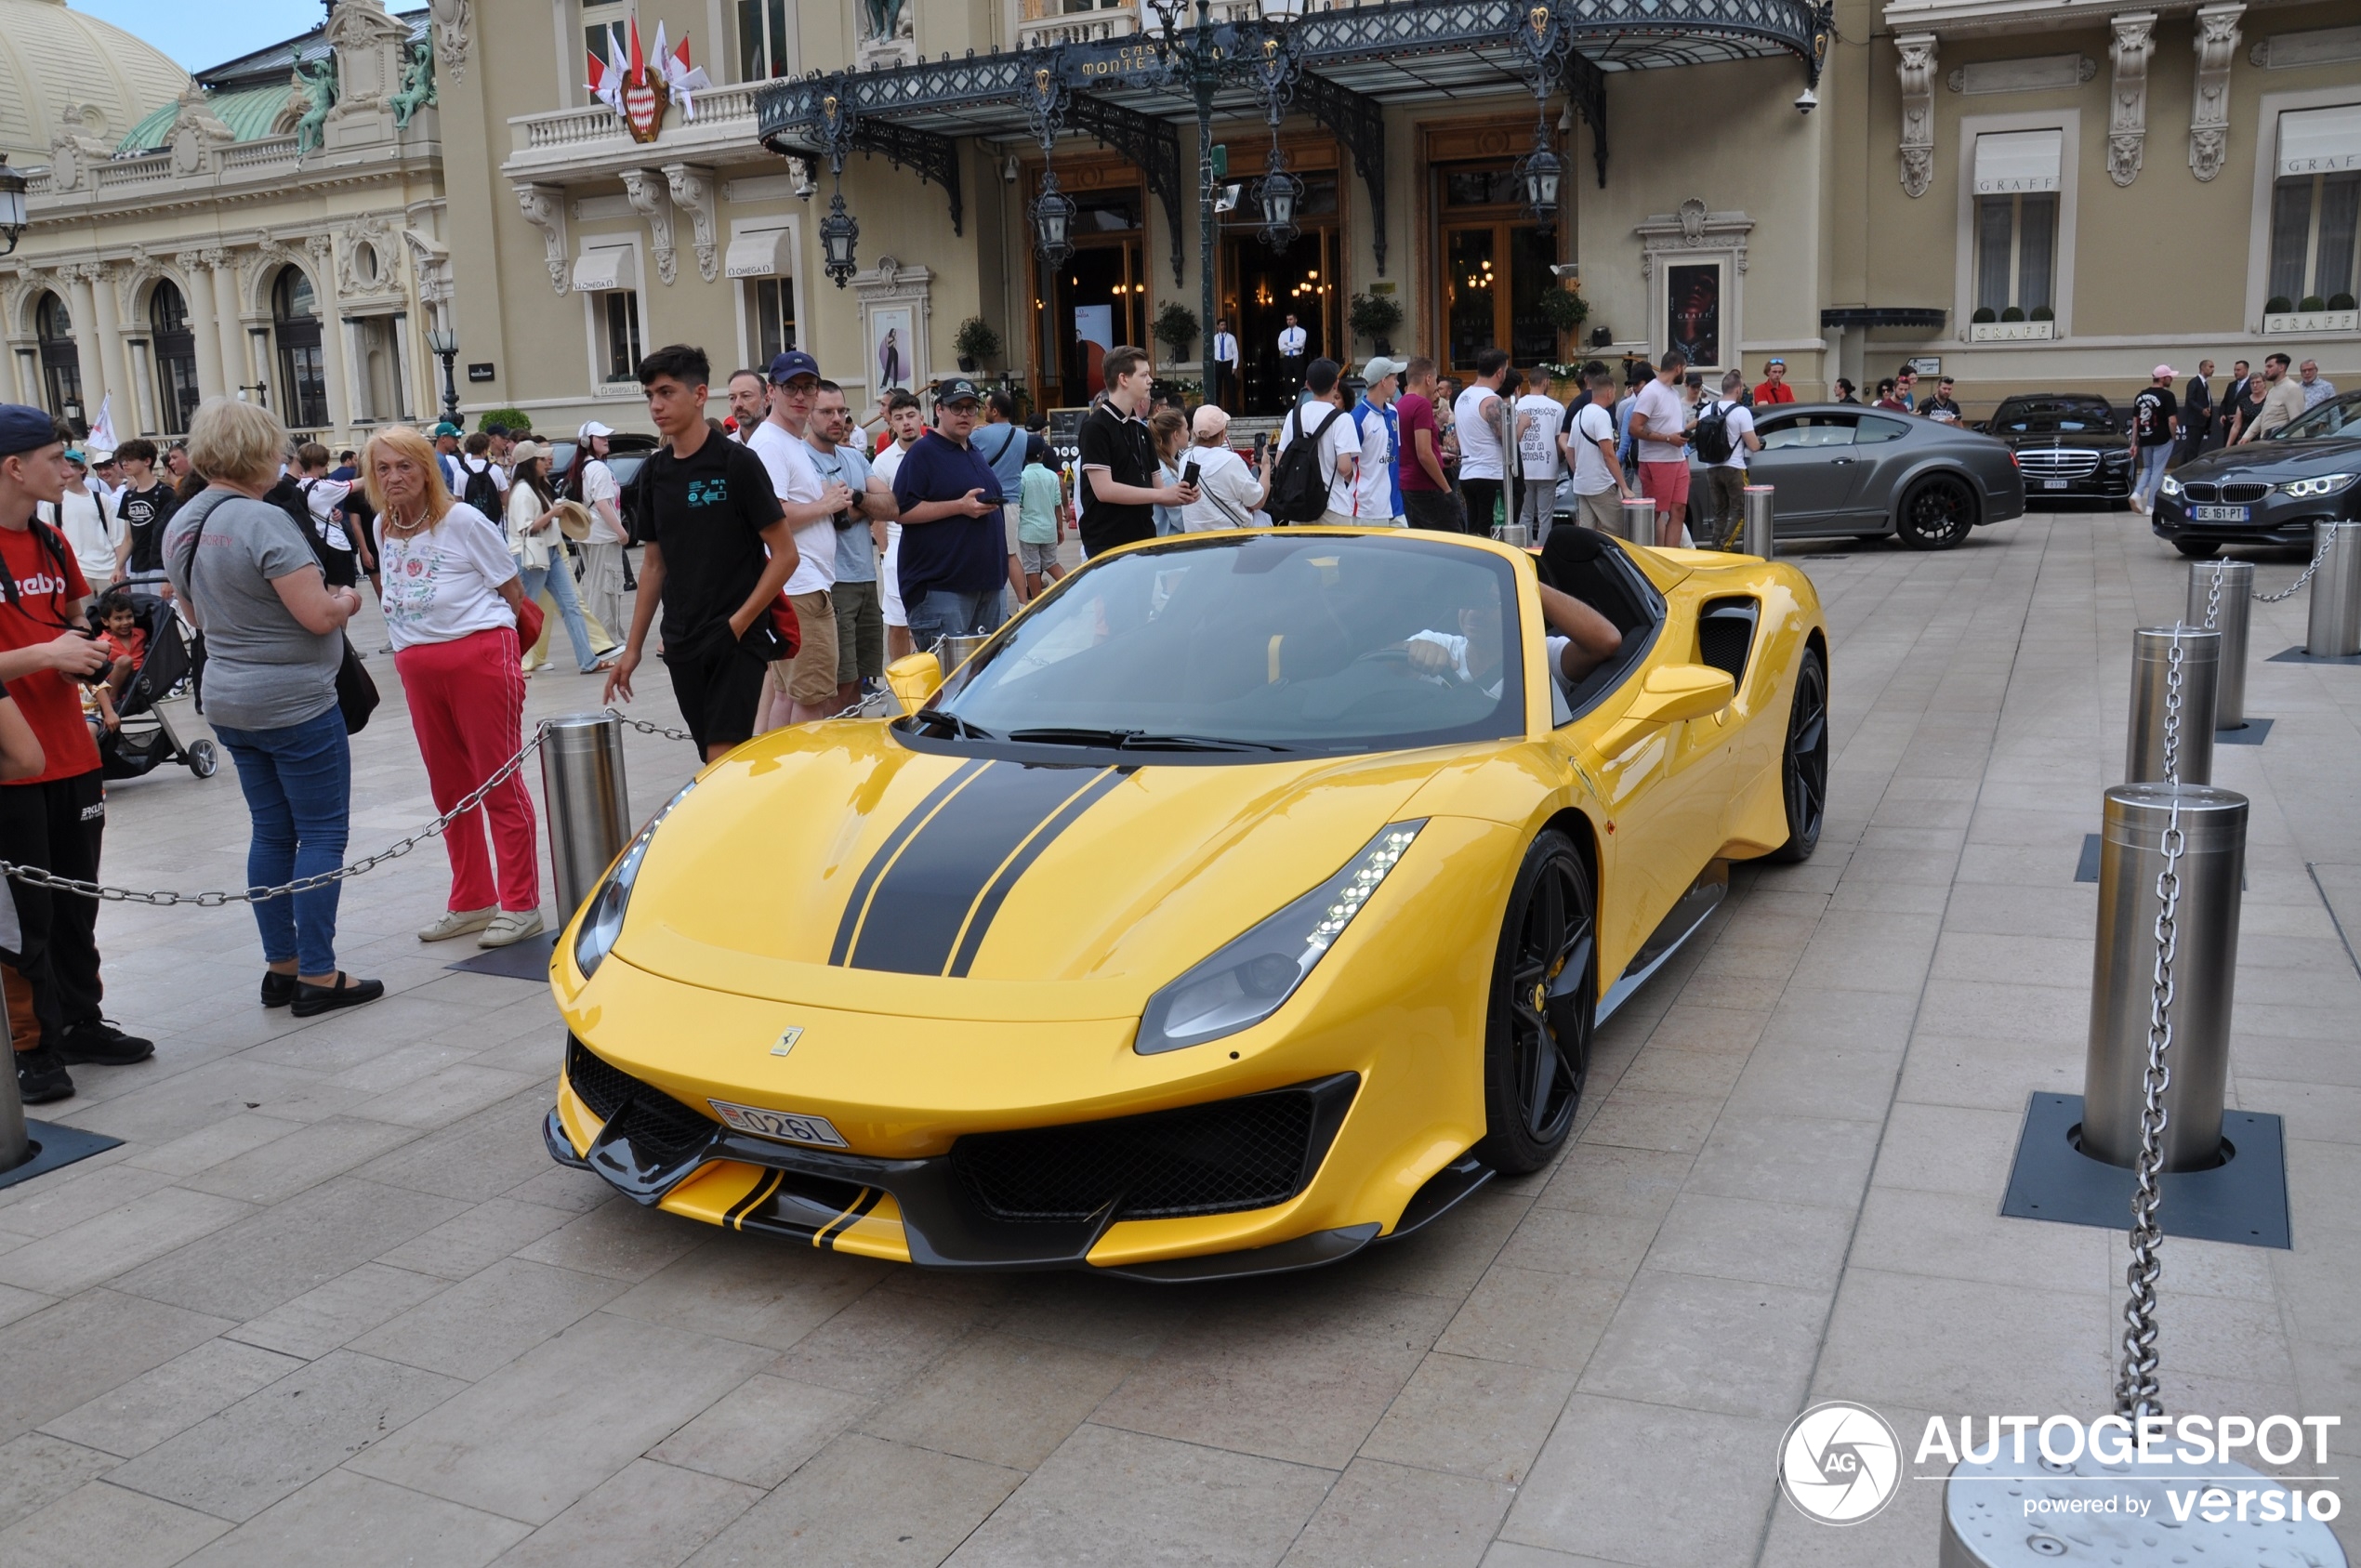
<point>956,388</point>
<point>23,429</point>
<point>1379,368</point>
<point>1208,422</point>
<point>74,455</point>
<point>792,363</point>
<point>526,451</point>
<point>448,429</point>
<point>593,428</point>
<point>100,456</point>
<point>2163,372</point>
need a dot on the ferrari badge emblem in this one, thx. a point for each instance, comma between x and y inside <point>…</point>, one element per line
<point>787,1037</point>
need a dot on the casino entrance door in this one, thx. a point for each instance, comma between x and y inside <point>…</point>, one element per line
<point>1261,288</point>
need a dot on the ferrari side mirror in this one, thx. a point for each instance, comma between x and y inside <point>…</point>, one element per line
<point>1678,691</point>
<point>914,678</point>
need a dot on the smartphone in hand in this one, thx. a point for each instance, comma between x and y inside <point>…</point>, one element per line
<point>1188,474</point>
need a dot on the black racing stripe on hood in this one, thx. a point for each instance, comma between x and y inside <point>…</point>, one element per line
<point>922,901</point>
<point>849,923</point>
<point>988,906</point>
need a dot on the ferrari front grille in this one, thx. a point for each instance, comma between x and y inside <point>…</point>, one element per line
<point>660,1127</point>
<point>1231,1154</point>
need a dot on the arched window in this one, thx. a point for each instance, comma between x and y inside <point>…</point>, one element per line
<point>60,361</point>
<point>175,348</point>
<point>303,374</point>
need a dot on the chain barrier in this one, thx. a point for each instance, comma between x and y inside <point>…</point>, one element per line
<point>2213,596</point>
<point>2137,1392</point>
<point>37,876</point>
<point>2319,554</point>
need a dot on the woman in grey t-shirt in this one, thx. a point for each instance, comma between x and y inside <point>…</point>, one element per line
<point>274,637</point>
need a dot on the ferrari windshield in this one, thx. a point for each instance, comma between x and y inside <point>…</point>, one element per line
<point>1273,641</point>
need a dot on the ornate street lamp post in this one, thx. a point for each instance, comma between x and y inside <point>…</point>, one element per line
<point>839,234</point>
<point>1538,173</point>
<point>1053,213</point>
<point>444,344</point>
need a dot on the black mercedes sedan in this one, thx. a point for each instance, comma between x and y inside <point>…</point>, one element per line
<point>2069,445</point>
<point>2269,490</point>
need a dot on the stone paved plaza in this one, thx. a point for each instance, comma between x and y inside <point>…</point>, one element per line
<point>330,1303</point>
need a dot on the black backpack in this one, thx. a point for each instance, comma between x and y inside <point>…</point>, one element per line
<point>483,492</point>
<point>1712,434</point>
<point>1299,487</point>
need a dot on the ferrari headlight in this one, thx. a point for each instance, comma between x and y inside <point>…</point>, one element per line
<point>1247,980</point>
<point>2170,486</point>
<point>2318,484</point>
<point>603,919</point>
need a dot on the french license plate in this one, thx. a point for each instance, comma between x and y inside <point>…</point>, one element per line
<point>2054,484</point>
<point>2218,514</point>
<point>787,1126</point>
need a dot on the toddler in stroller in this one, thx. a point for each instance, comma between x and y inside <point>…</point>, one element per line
<point>154,657</point>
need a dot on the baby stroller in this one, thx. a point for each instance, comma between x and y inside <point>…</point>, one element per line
<point>145,738</point>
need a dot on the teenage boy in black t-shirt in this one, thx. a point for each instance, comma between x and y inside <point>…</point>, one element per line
<point>1120,487</point>
<point>706,515</point>
<point>146,506</point>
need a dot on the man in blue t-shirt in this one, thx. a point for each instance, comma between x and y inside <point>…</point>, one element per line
<point>954,557</point>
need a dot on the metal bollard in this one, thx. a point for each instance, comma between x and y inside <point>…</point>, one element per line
<point>2213,838</point>
<point>16,1145</point>
<point>1516,535</point>
<point>953,652</point>
<point>1639,519</point>
<point>1759,538</point>
<point>2151,666</point>
<point>2230,618</point>
<point>2333,630</point>
<point>589,804</point>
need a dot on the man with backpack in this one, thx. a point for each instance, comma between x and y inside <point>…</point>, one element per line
<point>1319,455</point>
<point>482,484</point>
<point>1722,437</point>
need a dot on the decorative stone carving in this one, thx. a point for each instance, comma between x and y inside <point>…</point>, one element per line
<point>544,207</point>
<point>138,272</point>
<point>2031,74</point>
<point>1916,70</point>
<point>692,193</point>
<point>365,263</point>
<point>650,199</point>
<point>370,46</point>
<point>452,20</point>
<point>2127,105</point>
<point>72,157</point>
<point>258,267</point>
<point>431,259</point>
<point>1664,235</point>
<point>198,136</point>
<point>2217,45</point>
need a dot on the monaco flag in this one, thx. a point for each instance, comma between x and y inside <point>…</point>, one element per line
<point>684,78</point>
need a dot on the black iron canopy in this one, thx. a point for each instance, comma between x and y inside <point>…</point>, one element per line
<point>1352,60</point>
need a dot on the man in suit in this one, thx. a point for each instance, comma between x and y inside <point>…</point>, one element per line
<point>2196,412</point>
<point>1224,389</point>
<point>2225,413</point>
<point>1291,344</point>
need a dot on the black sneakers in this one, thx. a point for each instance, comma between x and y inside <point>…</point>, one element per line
<point>41,1077</point>
<point>100,1044</point>
<point>278,990</point>
<point>313,1000</point>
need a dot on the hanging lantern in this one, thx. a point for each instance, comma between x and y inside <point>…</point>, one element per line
<point>1053,221</point>
<point>12,212</point>
<point>1538,172</point>
<point>1278,191</point>
<point>839,233</point>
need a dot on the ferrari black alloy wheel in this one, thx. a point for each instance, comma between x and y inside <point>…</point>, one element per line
<point>1803,769</point>
<point>1544,999</point>
<point>1937,513</point>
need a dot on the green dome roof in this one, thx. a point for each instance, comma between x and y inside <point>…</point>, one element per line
<point>249,113</point>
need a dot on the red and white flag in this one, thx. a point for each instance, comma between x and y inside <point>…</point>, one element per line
<point>680,75</point>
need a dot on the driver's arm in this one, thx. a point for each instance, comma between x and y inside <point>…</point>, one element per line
<point>1593,640</point>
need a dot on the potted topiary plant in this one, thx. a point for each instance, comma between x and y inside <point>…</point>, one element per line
<point>506,418</point>
<point>2041,313</point>
<point>1176,327</point>
<point>2013,313</point>
<point>2311,303</point>
<point>974,343</point>
<point>1374,316</point>
<point>2342,302</point>
<point>1563,309</point>
<point>1985,316</point>
<point>2277,305</point>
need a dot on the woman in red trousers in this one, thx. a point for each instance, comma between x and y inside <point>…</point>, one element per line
<point>451,597</point>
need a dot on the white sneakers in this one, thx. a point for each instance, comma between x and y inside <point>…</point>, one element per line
<point>459,923</point>
<point>511,925</point>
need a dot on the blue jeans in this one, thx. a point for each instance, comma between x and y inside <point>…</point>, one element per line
<point>2151,471</point>
<point>943,613</point>
<point>298,787</point>
<point>557,577</point>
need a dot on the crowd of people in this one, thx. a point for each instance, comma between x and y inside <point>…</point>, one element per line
<point>2168,428</point>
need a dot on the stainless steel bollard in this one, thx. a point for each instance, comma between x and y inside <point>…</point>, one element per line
<point>589,805</point>
<point>2151,666</point>
<point>1639,519</point>
<point>2213,838</point>
<point>953,652</point>
<point>1516,535</point>
<point>2333,632</point>
<point>2230,619</point>
<point>1760,537</point>
<point>16,1146</point>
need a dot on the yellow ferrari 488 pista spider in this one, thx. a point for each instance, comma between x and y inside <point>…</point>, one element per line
<point>1249,898</point>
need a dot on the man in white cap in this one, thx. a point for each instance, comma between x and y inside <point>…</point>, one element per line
<point>603,549</point>
<point>1377,489</point>
<point>2155,427</point>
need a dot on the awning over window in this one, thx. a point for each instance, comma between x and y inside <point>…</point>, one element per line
<point>2320,140</point>
<point>764,253</point>
<point>2007,161</point>
<point>609,266</point>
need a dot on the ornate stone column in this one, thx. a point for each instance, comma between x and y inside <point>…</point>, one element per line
<point>93,303</point>
<point>228,321</point>
<point>193,266</point>
<point>319,251</point>
<point>1916,70</point>
<point>2216,40</point>
<point>2128,104</point>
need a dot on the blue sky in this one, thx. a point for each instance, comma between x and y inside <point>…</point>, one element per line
<point>197,33</point>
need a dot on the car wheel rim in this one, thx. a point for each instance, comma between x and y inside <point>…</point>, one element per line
<point>1940,511</point>
<point>1551,993</point>
<point>1808,754</point>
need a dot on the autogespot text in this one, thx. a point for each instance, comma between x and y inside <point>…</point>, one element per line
<point>2192,1443</point>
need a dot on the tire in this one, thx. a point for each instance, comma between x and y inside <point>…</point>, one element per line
<point>1804,763</point>
<point>1936,514</point>
<point>1545,989</point>
<point>2199,550</point>
<point>204,761</point>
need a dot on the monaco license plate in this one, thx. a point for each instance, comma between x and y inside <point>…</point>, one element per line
<point>2054,484</point>
<point>2218,514</point>
<point>787,1126</point>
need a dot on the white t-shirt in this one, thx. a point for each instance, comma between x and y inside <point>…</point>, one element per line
<point>889,462</point>
<point>1741,423</point>
<point>522,510</point>
<point>1592,473</point>
<point>1373,484</point>
<point>88,535</point>
<point>796,482</point>
<point>1660,405</point>
<point>1227,492</point>
<point>1480,455</point>
<point>322,497</point>
<point>444,584</point>
<point>599,484</point>
<point>1537,445</point>
<point>1339,443</point>
<point>1553,645</point>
